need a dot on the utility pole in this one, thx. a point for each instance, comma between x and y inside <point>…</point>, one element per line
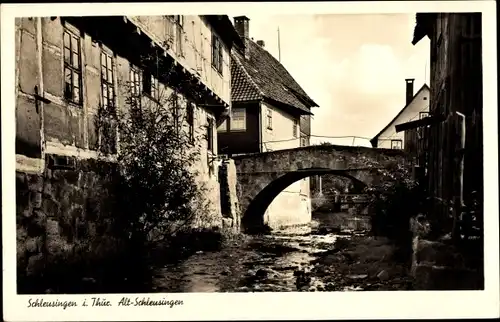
<point>279,46</point>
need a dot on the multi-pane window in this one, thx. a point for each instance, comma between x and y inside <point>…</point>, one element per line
<point>210,134</point>
<point>238,119</point>
<point>176,113</point>
<point>135,84</point>
<point>210,145</point>
<point>150,85</point>
<point>269,119</point>
<point>107,80</point>
<point>155,88</point>
<point>420,132</point>
<point>179,26</point>
<point>303,141</point>
<point>190,121</point>
<point>217,58</point>
<point>295,128</point>
<point>72,68</point>
<point>396,144</point>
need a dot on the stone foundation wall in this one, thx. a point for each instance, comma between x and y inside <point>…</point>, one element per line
<point>64,215</point>
<point>439,265</point>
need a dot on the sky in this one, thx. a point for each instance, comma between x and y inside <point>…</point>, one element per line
<point>353,66</point>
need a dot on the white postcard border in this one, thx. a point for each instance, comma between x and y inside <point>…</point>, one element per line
<point>243,306</point>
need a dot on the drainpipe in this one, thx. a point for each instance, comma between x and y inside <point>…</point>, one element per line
<point>462,157</point>
<point>460,206</point>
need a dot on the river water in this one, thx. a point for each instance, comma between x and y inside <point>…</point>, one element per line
<point>271,263</point>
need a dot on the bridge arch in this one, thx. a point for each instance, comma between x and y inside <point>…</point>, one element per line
<point>261,176</point>
<point>253,217</point>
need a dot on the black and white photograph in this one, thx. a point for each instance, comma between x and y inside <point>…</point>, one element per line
<point>257,152</point>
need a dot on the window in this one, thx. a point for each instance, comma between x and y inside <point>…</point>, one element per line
<point>150,85</point>
<point>210,145</point>
<point>238,119</point>
<point>423,115</point>
<point>155,88</point>
<point>396,144</point>
<point>222,127</point>
<point>269,119</point>
<point>210,134</point>
<point>190,121</point>
<point>303,141</point>
<point>179,25</point>
<point>217,58</point>
<point>176,113</point>
<point>179,19</point>
<point>72,69</point>
<point>135,84</point>
<point>107,80</point>
<point>295,127</point>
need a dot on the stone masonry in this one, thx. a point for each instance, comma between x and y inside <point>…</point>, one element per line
<point>262,176</point>
<point>62,213</point>
<point>438,264</point>
<point>229,200</point>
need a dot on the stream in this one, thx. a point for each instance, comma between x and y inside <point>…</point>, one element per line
<point>270,263</point>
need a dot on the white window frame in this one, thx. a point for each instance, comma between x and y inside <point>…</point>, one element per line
<point>269,119</point>
<point>74,67</point>
<point>243,115</point>
<point>295,128</point>
<point>394,141</point>
<point>135,82</point>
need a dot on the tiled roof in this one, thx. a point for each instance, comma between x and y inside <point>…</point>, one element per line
<point>243,88</point>
<point>262,76</point>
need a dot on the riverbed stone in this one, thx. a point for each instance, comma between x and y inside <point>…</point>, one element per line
<point>357,277</point>
<point>437,253</point>
<point>383,275</point>
<point>262,273</point>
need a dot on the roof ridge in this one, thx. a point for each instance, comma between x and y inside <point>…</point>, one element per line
<point>400,112</point>
<point>284,69</point>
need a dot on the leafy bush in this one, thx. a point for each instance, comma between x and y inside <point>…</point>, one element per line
<point>392,204</point>
<point>158,187</point>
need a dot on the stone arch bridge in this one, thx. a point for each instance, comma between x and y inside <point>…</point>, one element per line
<point>262,176</point>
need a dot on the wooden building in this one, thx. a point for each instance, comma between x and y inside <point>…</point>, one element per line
<point>452,134</point>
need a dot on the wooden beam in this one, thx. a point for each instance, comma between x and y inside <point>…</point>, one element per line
<point>430,120</point>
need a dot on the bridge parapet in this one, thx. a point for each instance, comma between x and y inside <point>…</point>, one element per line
<point>333,157</point>
<point>262,176</point>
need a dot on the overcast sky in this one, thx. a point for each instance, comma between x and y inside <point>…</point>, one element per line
<point>353,66</point>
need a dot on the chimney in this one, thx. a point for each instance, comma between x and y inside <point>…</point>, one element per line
<point>409,89</point>
<point>242,26</point>
<point>261,43</point>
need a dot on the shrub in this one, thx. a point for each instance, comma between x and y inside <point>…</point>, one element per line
<point>392,204</point>
<point>158,188</point>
